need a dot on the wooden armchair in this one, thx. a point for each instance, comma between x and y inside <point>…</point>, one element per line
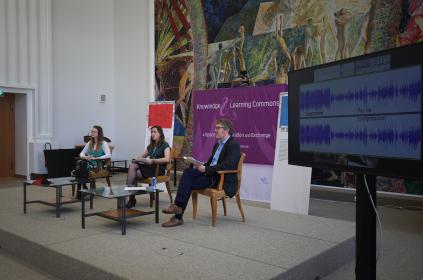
<point>99,173</point>
<point>218,193</point>
<point>159,179</point>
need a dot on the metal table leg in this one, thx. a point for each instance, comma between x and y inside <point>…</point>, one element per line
<point>58,193</point>
<point>24,197</point>
<point>122,214</point>
<point>82,209</point>
<point>91,201</point>
<point>157,206</point>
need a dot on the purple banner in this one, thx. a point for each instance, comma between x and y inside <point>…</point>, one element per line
<point>254,113</point>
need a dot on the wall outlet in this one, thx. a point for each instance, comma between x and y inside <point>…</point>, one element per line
<point>102,98</point>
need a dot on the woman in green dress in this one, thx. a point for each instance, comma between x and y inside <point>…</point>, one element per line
<point>143,166</point>
<point>95,149</point>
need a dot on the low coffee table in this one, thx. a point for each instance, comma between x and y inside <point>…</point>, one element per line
<point>58,184</point>
<point>121,214</point>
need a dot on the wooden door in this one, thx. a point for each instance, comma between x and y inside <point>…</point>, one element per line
<point>7,137</point>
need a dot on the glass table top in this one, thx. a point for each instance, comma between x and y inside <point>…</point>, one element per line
<point>116,191</point>
<point>61,181</point>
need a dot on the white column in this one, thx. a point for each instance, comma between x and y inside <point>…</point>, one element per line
<point>26,63</point>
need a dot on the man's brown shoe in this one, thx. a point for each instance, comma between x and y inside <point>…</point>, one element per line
<point>173,209</point>
<point>173,222</point>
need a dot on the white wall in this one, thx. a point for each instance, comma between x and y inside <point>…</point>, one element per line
<point>62,55</point>
<point>102,46</point>
<point>20,135</point>
<point>25,67</point>
<point>134,69</point>
<point>83,68</point>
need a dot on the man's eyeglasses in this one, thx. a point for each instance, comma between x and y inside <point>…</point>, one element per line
<point>218,127</point>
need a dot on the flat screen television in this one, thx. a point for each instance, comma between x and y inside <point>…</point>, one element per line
<point>362,114</point>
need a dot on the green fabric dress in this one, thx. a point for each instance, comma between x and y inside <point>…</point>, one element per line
<point>92,164</point>
<point>158,152</point>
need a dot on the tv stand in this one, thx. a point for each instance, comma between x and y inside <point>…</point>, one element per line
<point>365,260</point>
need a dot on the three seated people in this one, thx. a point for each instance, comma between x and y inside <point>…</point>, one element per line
<point>224,156</point>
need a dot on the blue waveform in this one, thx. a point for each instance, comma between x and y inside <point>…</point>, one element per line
<point>315,134</point>
<point>323,135</point>
<point>318,99</point>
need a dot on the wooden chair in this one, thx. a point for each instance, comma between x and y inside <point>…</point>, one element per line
<point>218,193</point>
<point>159,179</point>
<point>99,173</point>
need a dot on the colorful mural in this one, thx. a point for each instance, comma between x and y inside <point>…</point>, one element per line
<point>174,60</point>
<point>206,44</point>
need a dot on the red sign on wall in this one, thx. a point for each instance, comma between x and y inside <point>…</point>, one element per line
<point>160,114</point>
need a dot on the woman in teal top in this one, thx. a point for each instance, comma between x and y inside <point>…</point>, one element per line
<point>96,148</point>
<point>157,152</point>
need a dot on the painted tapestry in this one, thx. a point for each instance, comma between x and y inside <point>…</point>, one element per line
<point>206,44</point>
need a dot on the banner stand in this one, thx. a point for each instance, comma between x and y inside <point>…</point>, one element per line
<point>160,113</point>
<point>290,184</point>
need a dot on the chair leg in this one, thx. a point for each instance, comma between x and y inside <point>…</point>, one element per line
<point>238,201</point>
<point>92,184</point>
<point>224,205</point>
<point>108,181</point>
<point>213,203</point>
<point>194,197</point>
<point>169,192</point>
<point>151,199</point>
<point>73,190</point>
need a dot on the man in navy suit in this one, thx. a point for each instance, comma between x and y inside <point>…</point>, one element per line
<point>225,156</point>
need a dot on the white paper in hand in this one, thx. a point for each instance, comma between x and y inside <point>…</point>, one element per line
<point>193,161</point>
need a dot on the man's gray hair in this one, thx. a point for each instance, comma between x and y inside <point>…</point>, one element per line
<point>227,125</point>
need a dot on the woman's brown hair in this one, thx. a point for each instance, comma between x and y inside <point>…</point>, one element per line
<point>100,138</point>
<point>161,139</point>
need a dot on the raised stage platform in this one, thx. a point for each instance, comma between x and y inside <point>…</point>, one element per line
<point>269,245</point>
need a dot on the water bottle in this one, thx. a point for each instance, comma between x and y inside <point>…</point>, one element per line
<point>153,184</point>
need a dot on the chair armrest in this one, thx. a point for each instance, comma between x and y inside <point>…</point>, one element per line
<point>227,171</point>
<point>222,177</point>
<point>106,164</point>
<point>100,159</point>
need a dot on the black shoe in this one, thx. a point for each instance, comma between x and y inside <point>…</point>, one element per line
<point>131,202</point>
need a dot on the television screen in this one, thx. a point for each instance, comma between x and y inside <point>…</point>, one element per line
<point>362,114</point>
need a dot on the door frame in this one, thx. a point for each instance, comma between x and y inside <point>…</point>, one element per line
<point>10,135</point>
<point>29,92</point>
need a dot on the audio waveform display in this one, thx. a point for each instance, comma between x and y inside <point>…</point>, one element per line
<point>394,91</point>
<point>397,136</point>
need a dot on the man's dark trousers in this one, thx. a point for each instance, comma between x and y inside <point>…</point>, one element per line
<point>191,179</point>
